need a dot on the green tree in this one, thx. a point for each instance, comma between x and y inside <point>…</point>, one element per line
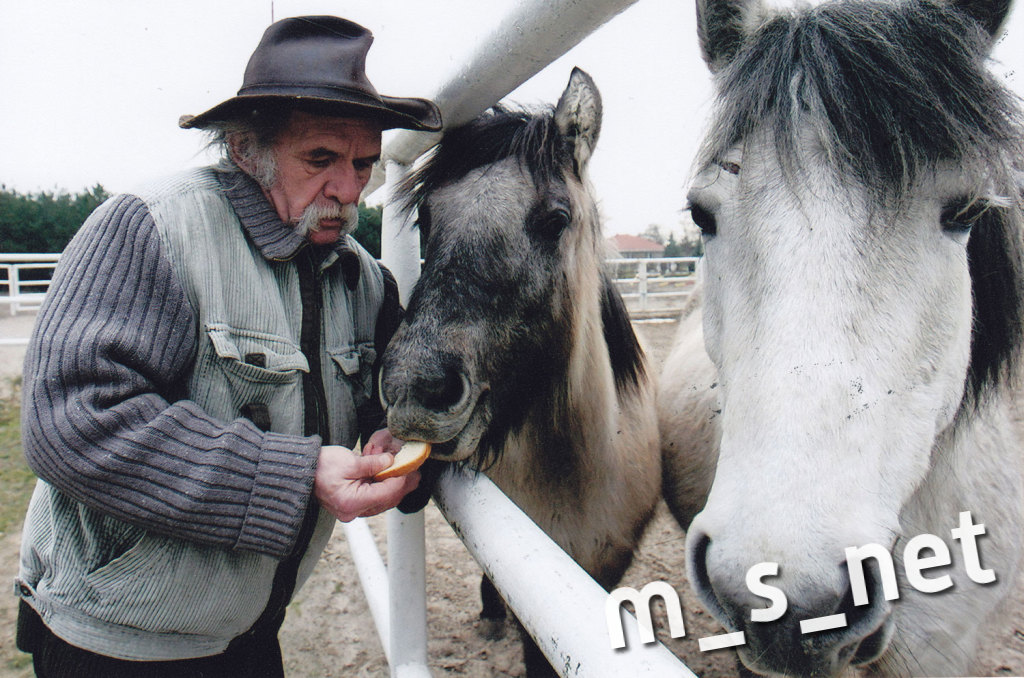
<point>689,246</point>
<point>43,222</point>
<point>672,248</point>
<point>367,233</point>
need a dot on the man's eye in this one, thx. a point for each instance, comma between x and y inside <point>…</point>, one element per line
<point>320,163</point>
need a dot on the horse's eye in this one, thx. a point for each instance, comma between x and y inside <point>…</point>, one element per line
<point>959,215</point>
<point>556,221</point>
<point>704,219</point>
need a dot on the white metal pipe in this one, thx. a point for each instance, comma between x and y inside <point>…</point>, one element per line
<point>407,580</point>
<point>18,257</point>
<point>531,36</point>
<point>399,239</point>
<point>560,605</point>
<point>373,576</point>
<point>643,284</point>
<point>15,291</point>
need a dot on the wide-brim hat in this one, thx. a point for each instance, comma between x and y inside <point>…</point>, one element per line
<point>317,63</point>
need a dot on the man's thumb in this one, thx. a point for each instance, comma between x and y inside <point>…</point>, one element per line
<point>372,464</point>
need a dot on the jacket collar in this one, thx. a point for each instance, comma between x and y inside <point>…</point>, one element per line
<point>276,240</point>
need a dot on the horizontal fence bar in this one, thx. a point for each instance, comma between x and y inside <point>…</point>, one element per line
<point>30,298</point>
<point>22,257</point>
<point>11,265</point>
<point>649,295</point>
<point>652,260</point>
<point>560,605</point>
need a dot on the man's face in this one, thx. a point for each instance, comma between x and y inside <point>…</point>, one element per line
<point>323,163</point>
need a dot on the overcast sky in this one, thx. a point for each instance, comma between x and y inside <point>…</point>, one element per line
<point>92,91</point>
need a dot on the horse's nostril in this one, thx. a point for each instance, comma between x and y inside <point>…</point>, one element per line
<point>702,583</point>
<point>868,616</point>
<point>442,392</point>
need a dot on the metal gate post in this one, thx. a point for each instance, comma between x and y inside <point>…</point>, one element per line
<point>407,578</point>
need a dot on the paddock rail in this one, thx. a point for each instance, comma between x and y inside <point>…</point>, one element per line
<point>655,287</point>
<point>533,574</point>
<point>18,297</point>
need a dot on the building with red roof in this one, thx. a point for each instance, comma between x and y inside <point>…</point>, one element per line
<point>636,247</point>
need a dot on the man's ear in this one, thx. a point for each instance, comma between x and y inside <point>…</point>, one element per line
<point>236,149</point>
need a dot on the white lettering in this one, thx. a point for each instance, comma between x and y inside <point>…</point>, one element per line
<point>856,556</point>
<point>641,601</point>
<point>914,563</point>
<point>967,533</point>
<point>772,593</point>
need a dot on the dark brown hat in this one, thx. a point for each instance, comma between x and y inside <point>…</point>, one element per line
<point>317,63</point>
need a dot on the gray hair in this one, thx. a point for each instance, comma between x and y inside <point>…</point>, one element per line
<point>248,144</point>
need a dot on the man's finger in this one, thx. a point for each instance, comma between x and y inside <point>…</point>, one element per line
<point>371,464</point>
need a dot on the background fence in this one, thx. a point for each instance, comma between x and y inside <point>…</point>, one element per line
<point>651,287</point>
<point>24,279</point>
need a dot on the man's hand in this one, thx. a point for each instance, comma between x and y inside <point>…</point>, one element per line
<point>344,480</point>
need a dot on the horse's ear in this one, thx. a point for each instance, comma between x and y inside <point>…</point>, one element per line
<point>720,29</point>
<point>578,116</point>
<point>991,14</point>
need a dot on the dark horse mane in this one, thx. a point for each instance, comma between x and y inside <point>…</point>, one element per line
<point>533,139</point>
<point>896,89</point>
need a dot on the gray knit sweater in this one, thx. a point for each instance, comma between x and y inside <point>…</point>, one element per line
<point>164,407</point>
<point>104,376</point>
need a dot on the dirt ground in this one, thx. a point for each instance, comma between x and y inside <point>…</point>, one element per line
<point>330,633</point>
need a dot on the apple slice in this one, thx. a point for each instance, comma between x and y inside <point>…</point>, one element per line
<point>408,459</point>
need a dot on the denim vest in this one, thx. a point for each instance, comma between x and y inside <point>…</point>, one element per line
<point>166,598</point>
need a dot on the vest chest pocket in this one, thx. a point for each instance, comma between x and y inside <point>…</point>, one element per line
<point>257,376</point>
<point>355,368</point>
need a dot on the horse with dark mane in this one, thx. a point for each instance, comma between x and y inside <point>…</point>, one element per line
<point>862,312</point>
<point>516,355</point>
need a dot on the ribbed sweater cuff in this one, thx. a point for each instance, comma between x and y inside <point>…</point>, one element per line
<point>281,494</point>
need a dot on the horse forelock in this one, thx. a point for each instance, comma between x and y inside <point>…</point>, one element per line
<point>894,89</point>
<point>529,136</point>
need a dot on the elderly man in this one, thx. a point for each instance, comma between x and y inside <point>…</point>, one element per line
<point>202,367</point>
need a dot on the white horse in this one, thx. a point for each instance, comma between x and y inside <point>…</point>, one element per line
<point>862,312</point>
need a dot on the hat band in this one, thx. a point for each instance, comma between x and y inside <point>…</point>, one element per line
<point>320,91</point>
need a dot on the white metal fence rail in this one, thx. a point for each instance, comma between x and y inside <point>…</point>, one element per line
<point>21,294</point>
<point>651,283</point>
<point>644,280</point>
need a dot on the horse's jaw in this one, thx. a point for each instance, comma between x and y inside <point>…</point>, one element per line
<point>454,433</point>
<point>798,486</point>
<point>811,574</point>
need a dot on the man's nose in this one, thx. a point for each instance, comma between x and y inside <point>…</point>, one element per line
<point>344,184</point>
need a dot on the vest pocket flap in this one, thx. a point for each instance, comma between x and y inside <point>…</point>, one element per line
<point>356,364</point>
<point>348,362</point>
<point>354,359</point>
<point>256,355</point>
